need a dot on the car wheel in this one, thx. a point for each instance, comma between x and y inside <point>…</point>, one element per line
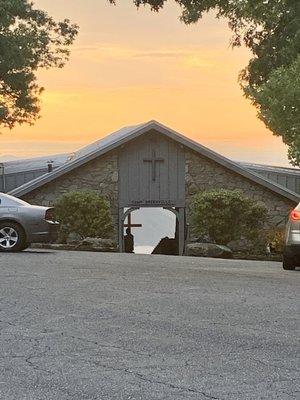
<point>288,263</point>
<point>12,237</point>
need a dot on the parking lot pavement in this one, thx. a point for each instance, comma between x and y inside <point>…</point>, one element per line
<point>77,325</point>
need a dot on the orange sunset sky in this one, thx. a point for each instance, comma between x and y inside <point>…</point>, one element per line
<point>130,66</point>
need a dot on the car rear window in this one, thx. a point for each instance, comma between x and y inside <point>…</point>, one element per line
<point>9,201</point>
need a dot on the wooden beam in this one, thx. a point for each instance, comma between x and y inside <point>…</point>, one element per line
<point>131,225</point>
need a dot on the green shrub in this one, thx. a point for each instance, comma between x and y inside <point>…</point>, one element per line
<point>226,215</point>
<point>84,213</point>
<point>276,239</point>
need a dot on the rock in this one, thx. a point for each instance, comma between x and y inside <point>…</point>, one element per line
<point>245,246</point>
<point>208,250</point>
<point>166,246</point>
<point>115,176</point>
<point>73,238</point>
<point>97,244</point>
<point>242,245</point>
<point>202,239</point>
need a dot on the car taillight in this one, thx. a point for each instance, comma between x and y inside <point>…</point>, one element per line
<point>295,215</point>
<point>49,215</point>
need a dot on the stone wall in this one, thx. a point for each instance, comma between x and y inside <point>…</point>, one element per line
<point>99,175</point>
<point>203,174</point>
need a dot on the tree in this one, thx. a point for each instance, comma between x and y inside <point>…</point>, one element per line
<point>29,39</point>
<point>85,213</point>
<point>278,101</point>
<point>271,29</point>
<point>227,215</point>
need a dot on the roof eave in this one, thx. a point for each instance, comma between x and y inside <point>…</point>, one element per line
<point>225,162</point>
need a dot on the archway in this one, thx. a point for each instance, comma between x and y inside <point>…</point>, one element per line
<point>169,233</point>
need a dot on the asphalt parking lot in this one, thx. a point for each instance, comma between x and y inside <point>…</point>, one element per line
<point>77,325</point>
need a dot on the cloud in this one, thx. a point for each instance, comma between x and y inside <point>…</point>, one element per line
<point>160,54</point>
<point>193,57</point>
<point>195,61</point>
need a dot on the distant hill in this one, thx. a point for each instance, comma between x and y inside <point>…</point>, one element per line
<point>7,157</point>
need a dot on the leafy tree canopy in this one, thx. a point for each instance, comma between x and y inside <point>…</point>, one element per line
<point>271,29</point>
<point>278,101</point>
<point>29,39</point>
<point>227,215</point>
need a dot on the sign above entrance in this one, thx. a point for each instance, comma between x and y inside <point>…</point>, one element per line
<point>154,203</point>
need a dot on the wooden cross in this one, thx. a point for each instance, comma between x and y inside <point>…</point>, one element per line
<point>153,162</point>
<point>130,225</point>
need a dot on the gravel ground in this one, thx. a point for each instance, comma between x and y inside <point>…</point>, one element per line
<point>77,325</point>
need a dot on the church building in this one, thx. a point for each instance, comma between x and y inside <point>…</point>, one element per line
<point>151,165</point>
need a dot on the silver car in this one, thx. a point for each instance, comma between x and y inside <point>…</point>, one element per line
<point>22,224</point>
<point>291,254</point>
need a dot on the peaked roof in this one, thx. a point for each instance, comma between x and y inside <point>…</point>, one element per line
<point>126,134</point>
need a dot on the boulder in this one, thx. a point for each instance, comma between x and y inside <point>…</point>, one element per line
<point>202,239</point>
<point>167,246</point>
<point>208,250</point>
<point>73,238</point>
<point>242,245</point>
<point>97,244</point>
<point>246,246</point>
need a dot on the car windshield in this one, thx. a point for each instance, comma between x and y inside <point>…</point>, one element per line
<point>6,201</point>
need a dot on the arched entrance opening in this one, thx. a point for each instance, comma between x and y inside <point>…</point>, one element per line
<point>156,230</point>
<point>149,226</point>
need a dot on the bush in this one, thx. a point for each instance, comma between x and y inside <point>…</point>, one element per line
<point>227,215</point>
<point>276,239</point>
<point>85,213</point>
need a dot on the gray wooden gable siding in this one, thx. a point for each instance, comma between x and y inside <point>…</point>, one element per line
<point>289,181</point>
<point>137,187</point>
<point>9,182</point>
